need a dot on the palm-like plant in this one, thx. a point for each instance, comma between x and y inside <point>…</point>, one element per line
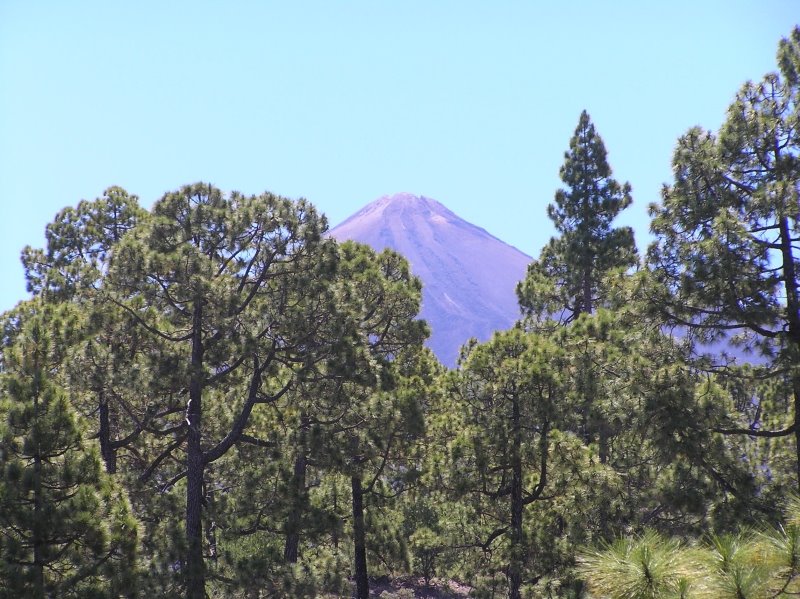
<point>781,550</point>
<point>748,565</point>
<point>647,567</point>
<point>736,568</point>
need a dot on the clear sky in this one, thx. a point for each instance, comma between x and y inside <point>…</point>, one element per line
<point>469,103</point>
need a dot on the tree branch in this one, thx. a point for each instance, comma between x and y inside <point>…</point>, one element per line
<point>241,421</point>
<point>754,432</point>
<point>243,438</point>
<point>164,454</point>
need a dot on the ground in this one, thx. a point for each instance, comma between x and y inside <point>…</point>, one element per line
<point>415,587</point>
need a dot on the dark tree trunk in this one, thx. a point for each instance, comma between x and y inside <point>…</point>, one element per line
<point>195,568</point>
<point>38,537</point>
<point>517,506</point>
<point>292,546</point>
<point>291,549</point>
<point>793,318</point>
<point>587,258</point>
<point>359,540</point>
<point>107,449</point>
<point>602,436</point>
<point>587,285</point>
<point>38,507</point>
<point>796,385</point>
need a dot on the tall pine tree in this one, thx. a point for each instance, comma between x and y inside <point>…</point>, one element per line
<point>727,249</point>
<point>381,415</point>
<point>235,287</point>
<point>65,528</point>
<point>71,267</point>
<point>567,280</point>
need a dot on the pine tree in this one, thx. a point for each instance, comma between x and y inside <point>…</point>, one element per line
<point>727,253</point>
<point>235,288</point>
<point>646,401</point>
<point>744,565</point>
<point>381,410</point>
<point>345,426</point>
<point>511,392</point>
<point>66,528</point>
<point>80,241</point>
<point>567,280</point>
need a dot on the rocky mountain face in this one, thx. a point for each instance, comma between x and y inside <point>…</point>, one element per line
<point>469,276</point>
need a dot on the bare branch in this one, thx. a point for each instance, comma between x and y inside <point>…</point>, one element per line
<point>164,455</point>
<point>755,432</point>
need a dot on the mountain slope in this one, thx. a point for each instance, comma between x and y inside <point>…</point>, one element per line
<point>469,276</point>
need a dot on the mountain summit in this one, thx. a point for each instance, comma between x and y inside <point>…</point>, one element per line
<point>469,276</point>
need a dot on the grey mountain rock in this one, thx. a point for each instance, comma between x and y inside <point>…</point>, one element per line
<point>469,276</point>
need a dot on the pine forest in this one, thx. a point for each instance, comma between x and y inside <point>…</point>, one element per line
<point>214,398</point>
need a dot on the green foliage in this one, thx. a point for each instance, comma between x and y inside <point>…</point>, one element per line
<point>725,261</point>
<point>235,288</point>
<point>516,479</point>
<point>647,567</point>
<point>567,279</point>
<point>745,565</point>
<point>67,528</point>
<point>79,243</point>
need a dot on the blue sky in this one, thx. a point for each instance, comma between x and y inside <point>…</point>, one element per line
<point>470,103</point>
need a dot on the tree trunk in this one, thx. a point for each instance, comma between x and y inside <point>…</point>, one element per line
<point>587,258</point>
<point>292,546</point>
<point>37,533</point>
<point>106,447</point>
<point>796,385</point>
<point>517,506</point>
<point>587,284</point>
<point>793,319</point>
<point>195,568</point>
<point>359,540</point>
<point>38,540</point>
<point>602,436</point>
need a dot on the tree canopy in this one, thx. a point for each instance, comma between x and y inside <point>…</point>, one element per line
<point>727,247</point>
<point>567,279</point>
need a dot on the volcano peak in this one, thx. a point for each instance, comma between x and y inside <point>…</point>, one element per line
<point>469,276</point>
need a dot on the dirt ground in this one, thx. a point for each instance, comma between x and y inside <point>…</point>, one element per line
<point>438,589</point>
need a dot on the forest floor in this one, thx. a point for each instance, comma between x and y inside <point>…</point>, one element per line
<point>411,587</point>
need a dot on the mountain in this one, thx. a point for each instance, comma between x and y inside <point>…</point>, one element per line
<point>469,277</point>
